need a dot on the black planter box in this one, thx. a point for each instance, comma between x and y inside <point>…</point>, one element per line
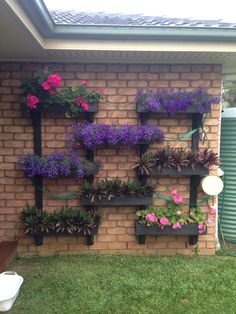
<point>188,171</point>
<point>191,109</point>
<point>38,237</point>
<point>119,201</point>
<point>190,230</point>
<point>59,108</point>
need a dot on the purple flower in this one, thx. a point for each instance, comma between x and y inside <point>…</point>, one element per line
<point>57,165</point>
<point>92,135</point>
<point>172,102</point>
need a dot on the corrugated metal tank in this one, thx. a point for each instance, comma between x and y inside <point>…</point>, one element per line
<point>228,160</point>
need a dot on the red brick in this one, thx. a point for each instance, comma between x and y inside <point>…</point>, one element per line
<point>10,82</point>
<point>117,245</point>
<point>127,76</point>
<point>116,230</point>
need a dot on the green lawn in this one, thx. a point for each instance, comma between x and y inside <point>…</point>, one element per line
<point>126,284</point>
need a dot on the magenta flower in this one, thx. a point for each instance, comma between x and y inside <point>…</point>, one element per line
<point>174,192</point>
<point>85,106</point>
<point>176,226</point>
<point>201,228</point>
<point>85,82</point>
<point>32,101</point>
<point>45,86</point>
<point>164,221</point>
<point>212,211</point>
<point>54,80</point>
<point>151,217</point>
<point>178,199</point>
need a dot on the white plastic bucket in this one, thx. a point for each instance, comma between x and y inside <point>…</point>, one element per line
<point>10,283</point>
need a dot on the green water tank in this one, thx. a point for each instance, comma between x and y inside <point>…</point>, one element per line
<point>228,165</point>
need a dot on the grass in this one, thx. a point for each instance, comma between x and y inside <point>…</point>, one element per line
<point>126,284</point>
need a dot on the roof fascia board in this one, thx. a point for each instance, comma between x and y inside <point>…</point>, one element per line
<point>24,18</point>
<point>40,16</point>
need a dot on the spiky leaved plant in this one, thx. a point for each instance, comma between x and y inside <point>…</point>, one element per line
<point>35,220</point>
<point>64,220</point>
<point>208,158</point>
<point>144,164</point>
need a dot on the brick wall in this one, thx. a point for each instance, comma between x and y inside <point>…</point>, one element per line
<point>120,84</point>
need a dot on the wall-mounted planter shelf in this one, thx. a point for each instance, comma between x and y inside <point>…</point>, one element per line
<point>38,237</point>
<point>173,172</point>
<point>58,108</point>
<point>190,230</point>
<point>140,109</point>
<point>119,201</point>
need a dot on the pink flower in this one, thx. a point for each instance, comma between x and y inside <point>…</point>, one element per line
<point>210,220</point>
<point>212,211</point>
<point>85,82</point>
<point>201,228</point>
<point>151,217</point>
<point>178,199</point>
<point>85,106</point>
<point>32,101</point>
<point>45,85</point>
<point>51,92</point>
<point>179,213</point>
<point>174,192</point>
<point>191,213</point>
<point>54,80</point>
<point>176,226</point>
<point>164,221</point>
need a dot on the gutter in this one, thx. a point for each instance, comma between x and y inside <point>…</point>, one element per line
<point>40,16</point>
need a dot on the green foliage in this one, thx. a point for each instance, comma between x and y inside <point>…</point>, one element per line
<point>229,94</point>
<point>72,99</point>
<point>110,188</point>
<point>66,220</point>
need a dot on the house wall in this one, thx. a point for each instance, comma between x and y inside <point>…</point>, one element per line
<point>120,84</point>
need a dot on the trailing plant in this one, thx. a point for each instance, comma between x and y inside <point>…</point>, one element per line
<point>41,92</point>
<point>178,158</point>
<point>57,165</point>
<point>115,188</point>
<point>173,215</point>
<point>92,135</point>
<point>65,221</point>
<point>174,101</point>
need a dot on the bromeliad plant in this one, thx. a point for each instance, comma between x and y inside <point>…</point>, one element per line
<point>67,220</point>
<point>41,92</point>
<point>107,189</point>
<point>93,135</point>
<point>177,158</point>
<point>172,102</point>
<point>173,215</point>
<point>57,165</point>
